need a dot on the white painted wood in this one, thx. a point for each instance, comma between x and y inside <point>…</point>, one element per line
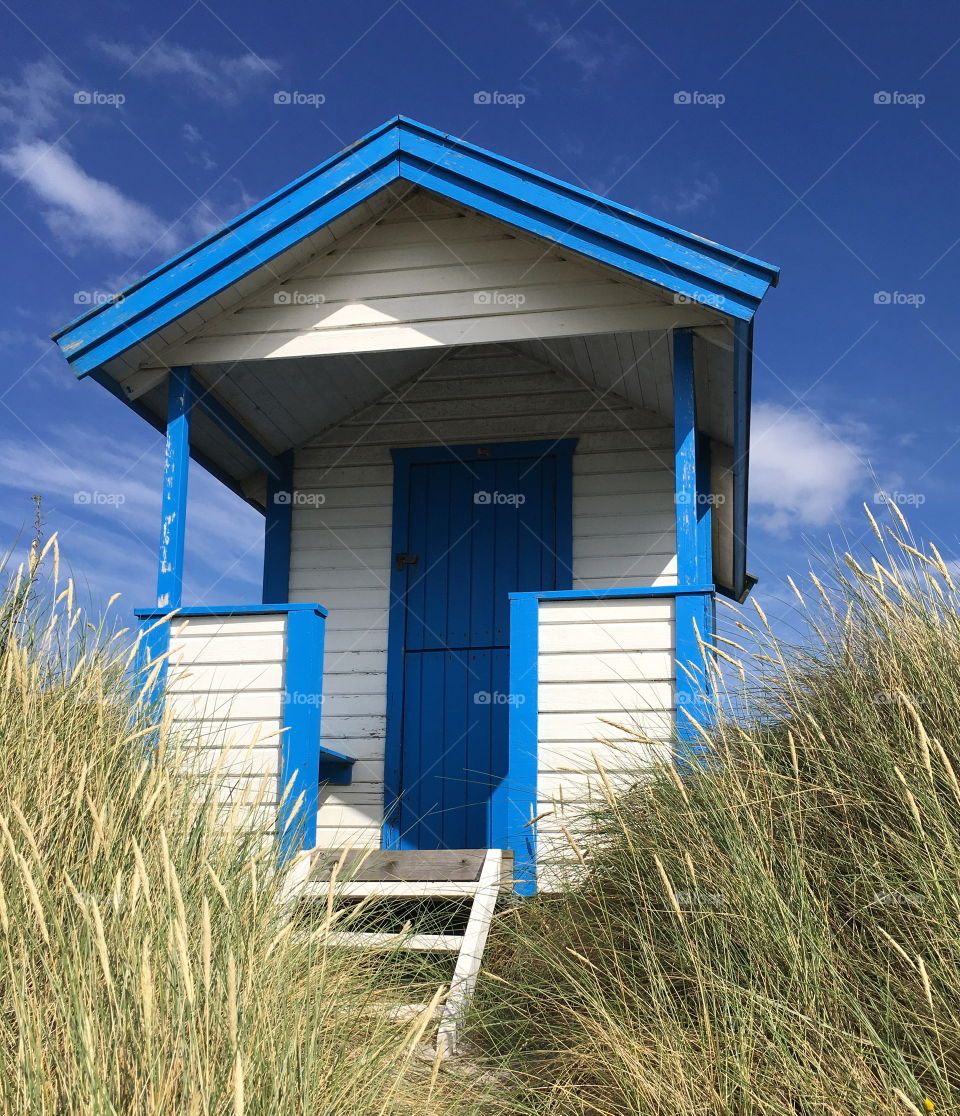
<point>225,701</point>
<point>470,956</point>
<point>606,667</point>
<point>423,943</point>
<point>600,661</point>
<point>623,530</point>
<point>626,697</point>
<point>444,278</point>
<point>356,889</point>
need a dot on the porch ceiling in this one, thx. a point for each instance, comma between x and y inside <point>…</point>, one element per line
<point>287,402</point>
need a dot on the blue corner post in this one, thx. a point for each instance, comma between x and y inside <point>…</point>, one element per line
<point>514,801</point>
<point>154,636</point>
<point>694,611</point>
<point>277,532</point>
<point>300,748</point>
<point>173,500</point>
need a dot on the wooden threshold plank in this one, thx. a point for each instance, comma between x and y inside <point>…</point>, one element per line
<point>379,865</point>
<point>425,943</point>
<point>358,889</point>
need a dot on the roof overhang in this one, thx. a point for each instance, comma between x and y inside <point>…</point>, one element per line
<point>407,152</point>
<point>403,154</point>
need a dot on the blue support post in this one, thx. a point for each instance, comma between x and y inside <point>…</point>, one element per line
<point>514,801</point>
<point>277,532</point>
<point>300,748</point>
<point>173,500</point>
<point>150,679</point>
<point>692,611</point>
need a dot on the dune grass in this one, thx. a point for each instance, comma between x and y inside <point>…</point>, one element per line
<point>778,933</point>
<point>145,965</point>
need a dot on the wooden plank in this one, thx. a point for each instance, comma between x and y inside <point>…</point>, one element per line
<point>470,956</point>
<point>388,336</point>
<point>402,889</point>
<point>424,943</point>
<point>383,866</point>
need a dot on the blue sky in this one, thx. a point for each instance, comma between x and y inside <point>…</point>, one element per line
<point>821,137</point>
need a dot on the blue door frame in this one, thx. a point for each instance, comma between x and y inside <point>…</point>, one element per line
<point>483,654</point>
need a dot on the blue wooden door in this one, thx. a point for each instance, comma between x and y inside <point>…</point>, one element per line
<point>473,524</point>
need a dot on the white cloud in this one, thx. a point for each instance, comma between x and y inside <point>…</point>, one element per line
<point>31,104</point>
<point>79,208</point>
<point>220,77</point>
<point>590,52</point>
<point>691,196</point>
<point>802,471</point>
<point>102,497</point>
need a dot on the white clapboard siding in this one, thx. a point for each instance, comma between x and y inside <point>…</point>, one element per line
<point>443,278</point>
<point>599,661</point>
<point>225,698</point>
<point>623,534</point>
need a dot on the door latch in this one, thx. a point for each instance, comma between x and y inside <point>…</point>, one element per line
<point>404,560</point>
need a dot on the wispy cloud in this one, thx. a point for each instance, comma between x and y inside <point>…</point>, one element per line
<point>690,196</point>
<point>79,208</point>
<point>802,471</point>
<point>34,102</point>
<point>223,78</point>
<point>590,52</point>
<point>102,497</point>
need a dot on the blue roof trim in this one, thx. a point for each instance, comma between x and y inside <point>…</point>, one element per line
<point>403,150</point>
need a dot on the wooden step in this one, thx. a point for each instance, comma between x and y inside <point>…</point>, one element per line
<point>424,943</point>
<point>409,866</point>
<point>406,889</point>
<point>476,874</point>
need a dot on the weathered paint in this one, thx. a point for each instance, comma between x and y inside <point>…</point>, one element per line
<point>693,612</point>
<point>173,497</point>
<point>405,151</point>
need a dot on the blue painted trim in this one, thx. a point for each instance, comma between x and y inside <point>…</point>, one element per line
<point>173,497</point>
<point>403,150</point>
<point>153,643</point>
<point>414,127</point>
<point>403,459</point>
<point>237,431</point>
<point>301,757</point>
<point>514,801</point>
<point>613,594</point>
<point>564,541</point>
<point>685,459</point>
<point>692,615</point>
<point>581,226</point>
<point>390,837</point>
<point>277,532</point>
<point>704,510</point>
<point>138,409</point>
<point>261,207</point>
<point>219,264</point>
<point>742,375</point>
<point>231,610</point>
<point>694,556</point>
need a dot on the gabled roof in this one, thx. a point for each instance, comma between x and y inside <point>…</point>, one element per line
<point>404,151</point>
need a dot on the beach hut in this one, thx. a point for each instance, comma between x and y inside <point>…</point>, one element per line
<point>498,430</point>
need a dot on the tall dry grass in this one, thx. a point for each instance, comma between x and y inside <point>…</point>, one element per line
<point>778,933</point>
<point>145,964</point>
